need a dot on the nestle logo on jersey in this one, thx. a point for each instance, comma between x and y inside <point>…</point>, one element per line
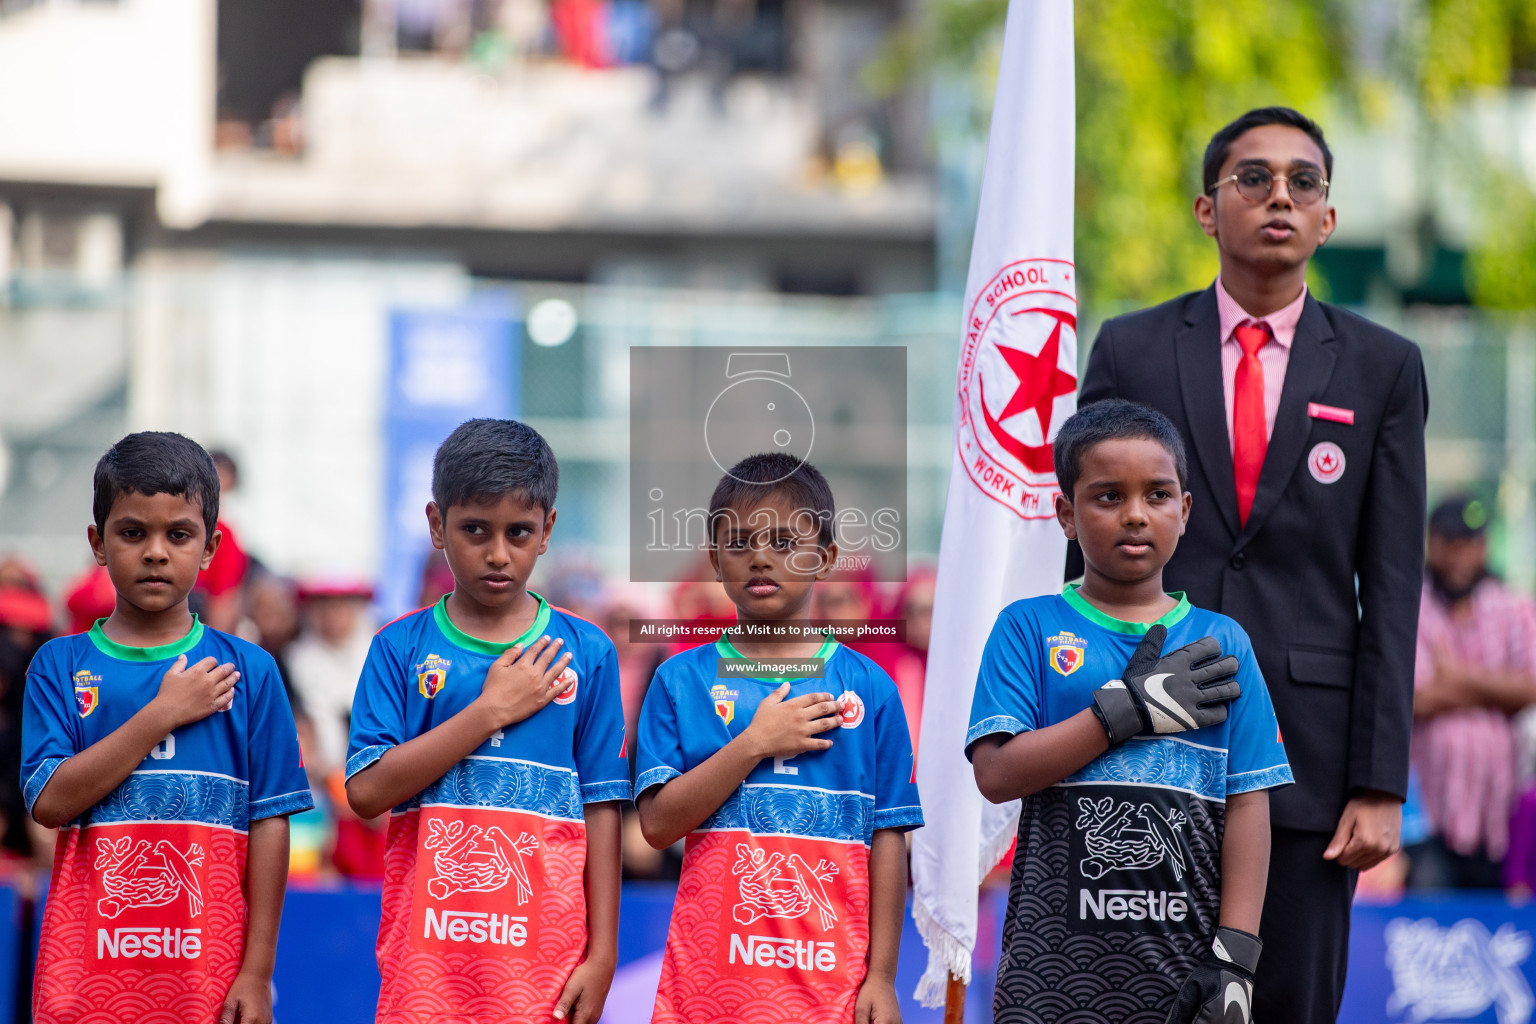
<point>149,943</point>
<point>475,926</point>
<point>766,951</point>
<point>1133,905</point>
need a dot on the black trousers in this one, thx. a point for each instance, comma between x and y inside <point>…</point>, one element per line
<point>1305,929</point>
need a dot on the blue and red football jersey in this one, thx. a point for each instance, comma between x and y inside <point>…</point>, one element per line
<point>1116,889</point>
<point>485,910</point>
<point>771,923</point>
<point>146,909</point>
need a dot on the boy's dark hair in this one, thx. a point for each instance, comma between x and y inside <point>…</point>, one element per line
<point>484,459</point>
<point>1221,143</point>
<point>1112,420</point>
<point>774,474</point>
<point>156,462</point>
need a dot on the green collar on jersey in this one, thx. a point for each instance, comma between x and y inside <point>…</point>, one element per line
<point>1082,607</point>
<point>457,636</point>
<point>122,652</point>
<point>725,649</point>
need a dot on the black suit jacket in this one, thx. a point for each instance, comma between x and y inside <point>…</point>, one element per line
<point>1338,661</point>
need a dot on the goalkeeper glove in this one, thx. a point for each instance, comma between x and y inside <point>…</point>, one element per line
<point>1220,988</point>
<point>1188,689</point>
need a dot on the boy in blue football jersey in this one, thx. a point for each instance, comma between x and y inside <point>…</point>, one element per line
<point>491,724</point>
<point>793,884</point>
<point>1143,843</point>
<point>166,751</point>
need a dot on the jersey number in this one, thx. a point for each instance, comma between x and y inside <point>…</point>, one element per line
<point>165,749</point>
<point>780,768</point>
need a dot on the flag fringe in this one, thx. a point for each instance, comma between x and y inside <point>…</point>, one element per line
<point>994,847</point>
<point>946,955</point>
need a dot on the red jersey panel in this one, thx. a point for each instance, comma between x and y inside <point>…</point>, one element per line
<point>159,914</point>
<point>483,912</point>
<point>484,904</point>
<point>766,929</point>
<point>771,923</point>
<point>146,913</point>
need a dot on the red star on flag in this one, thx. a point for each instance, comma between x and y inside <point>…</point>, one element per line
<point>1041,382</point>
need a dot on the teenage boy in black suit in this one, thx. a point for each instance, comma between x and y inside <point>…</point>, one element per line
<point>1306,432</point>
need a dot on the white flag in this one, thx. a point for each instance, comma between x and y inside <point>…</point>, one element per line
<point>1017,385</point>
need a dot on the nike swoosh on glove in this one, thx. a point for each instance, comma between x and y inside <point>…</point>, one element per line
<point>1179,692</point>
<point>1220,988</point>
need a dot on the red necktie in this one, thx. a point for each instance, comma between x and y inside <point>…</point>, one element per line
<point>1250,439</point>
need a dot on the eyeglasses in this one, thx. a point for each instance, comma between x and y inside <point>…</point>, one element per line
<point>1256,183</point>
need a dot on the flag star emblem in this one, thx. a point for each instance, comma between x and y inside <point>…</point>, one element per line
<point>1040,382</point>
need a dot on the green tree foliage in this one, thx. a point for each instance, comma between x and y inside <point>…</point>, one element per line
<point>1156,77</point>
<point>1467,47</point>
<point>1154,80</point>
<point>1463,45</point>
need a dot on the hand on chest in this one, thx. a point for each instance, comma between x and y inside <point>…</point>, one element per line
<point>733,703</point>
<point>441,684</point>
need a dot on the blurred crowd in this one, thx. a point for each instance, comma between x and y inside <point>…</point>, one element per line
<point>715,40</point>
<point>318,629</point>
<point>1470,821</point>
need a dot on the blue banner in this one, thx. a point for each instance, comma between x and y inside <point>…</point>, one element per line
<point>445,366</point>
<point>1462,958</point>
<point>326,972</point>
<point>1459,960</point>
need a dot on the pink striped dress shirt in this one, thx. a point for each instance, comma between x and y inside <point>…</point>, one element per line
<point>1275,356</point>
<point>1466,759</point>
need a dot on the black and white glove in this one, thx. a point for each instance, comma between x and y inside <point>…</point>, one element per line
<point>1220,988</point>
<point>1188,689</point>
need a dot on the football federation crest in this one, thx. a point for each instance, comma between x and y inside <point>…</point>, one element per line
<point>852,712</point>
<point>725,702</point>
<point>87,697</point>
<point>1018,382</point>
<point>432,676</point>
<point>570,694</point>
<point>1065,652</point>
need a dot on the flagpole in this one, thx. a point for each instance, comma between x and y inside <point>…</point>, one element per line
<point>1015,384</point>
<point>954,1001</point>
